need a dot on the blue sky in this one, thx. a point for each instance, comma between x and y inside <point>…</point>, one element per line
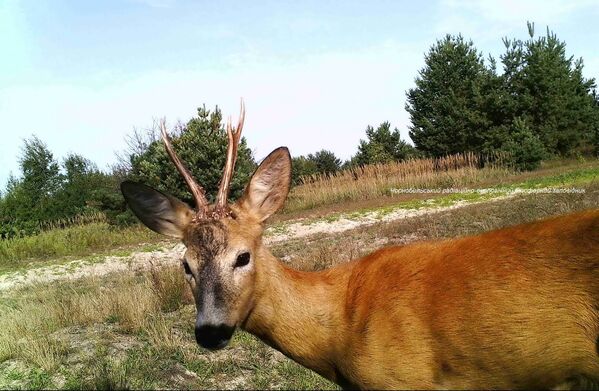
<point>82,74</point>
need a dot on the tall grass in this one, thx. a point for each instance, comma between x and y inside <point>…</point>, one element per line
<point>134,303</point>
<point>78,240</point>
<point>129,331</point>
<point>80,219</point>
<point>375,180</point>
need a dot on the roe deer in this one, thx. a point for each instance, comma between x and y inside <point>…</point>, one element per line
<point>511,308</point>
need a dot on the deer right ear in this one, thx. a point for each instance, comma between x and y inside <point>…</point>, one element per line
<point>159,212</point>
<point>269,186</point>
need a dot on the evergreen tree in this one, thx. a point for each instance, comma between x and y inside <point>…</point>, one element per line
<point>302,167</point>
<point>322,162</point>
<point>382,145</point>
<point>325,162</point>
<point>447,105</point>
<point>202,145</point>
<point>523,147</point>
<point>546,88</point>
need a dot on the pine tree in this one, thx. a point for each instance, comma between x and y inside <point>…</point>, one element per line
<point>201,144</point>
<point>447,105</point>
<point>382,145</point>
<point>546,88</point>
<point>325,162</point>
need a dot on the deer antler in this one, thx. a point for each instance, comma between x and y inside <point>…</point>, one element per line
<point>198,192</point>
<point>234,136</point>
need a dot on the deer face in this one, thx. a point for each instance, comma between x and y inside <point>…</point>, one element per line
<point>219,265</point>
<point>222,251</point>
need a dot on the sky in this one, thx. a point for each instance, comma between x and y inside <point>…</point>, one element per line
<point>81,75</point>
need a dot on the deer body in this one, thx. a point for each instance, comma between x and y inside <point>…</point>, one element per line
<point>512,308</point>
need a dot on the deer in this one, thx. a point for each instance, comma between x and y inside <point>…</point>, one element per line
<point>512,308</point>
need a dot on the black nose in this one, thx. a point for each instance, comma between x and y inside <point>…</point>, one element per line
<point>213,337</point>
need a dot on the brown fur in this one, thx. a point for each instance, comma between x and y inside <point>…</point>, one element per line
<point>512,308</point>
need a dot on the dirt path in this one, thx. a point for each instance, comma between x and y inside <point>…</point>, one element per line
<point>171,254</point>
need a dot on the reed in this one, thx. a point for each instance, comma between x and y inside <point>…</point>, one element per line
<point>366,182</point>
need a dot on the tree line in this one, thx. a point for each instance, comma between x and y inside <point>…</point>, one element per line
<point>537,107</point>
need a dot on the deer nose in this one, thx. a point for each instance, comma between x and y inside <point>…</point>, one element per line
<point>213,337</point>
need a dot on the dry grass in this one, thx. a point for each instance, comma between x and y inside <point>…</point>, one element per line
<point>128,331</point>
<point>376,180</point>
<point>321,251</point>
<point>76,240</point>
<point>130,302</point>
<point>136,330</point>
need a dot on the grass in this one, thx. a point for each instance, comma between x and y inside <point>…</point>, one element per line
<point>76,240</point>
<point>135,330</point>
<point>321,251</point>
<point>376,180</point>
<point>89,235</point>
<point>127,331</point>
<point>568,180</point>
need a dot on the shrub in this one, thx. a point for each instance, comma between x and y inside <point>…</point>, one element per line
<point>524,149</point>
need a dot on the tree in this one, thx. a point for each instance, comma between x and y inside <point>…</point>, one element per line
<point>301,167</point>
<point>546,89</point>
<point>201,144</point>
<point>446,106</point>
<point>30,199</point>
<point>325,162</point>
<point>85,188</point>
<point>523,147</point>
<point>381,146</point>
<point>322,162</point>
<point>41,173</point>
<point>41,180</point>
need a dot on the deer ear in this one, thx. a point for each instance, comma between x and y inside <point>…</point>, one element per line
<point>159,212</point>
<point>269,186</point>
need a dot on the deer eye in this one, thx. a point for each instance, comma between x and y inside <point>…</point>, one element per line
<point>242,260</point>
<point>186,268</point>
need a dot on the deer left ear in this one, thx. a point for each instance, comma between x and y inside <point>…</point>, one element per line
<point>269,186</point>
<point>160,212</point>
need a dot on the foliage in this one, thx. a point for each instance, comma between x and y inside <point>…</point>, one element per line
<point>446,105</point>
<point>201,144</point>
<point>545,87</point>
<point>382,146</point>
<point>322,162</point>
<point>301,167</point>
<point>524,149</point>
<point>325,162</point>
<point>75,240</point>
<point>49,192</point>
<point>460,105</point>
<point>361,183</point>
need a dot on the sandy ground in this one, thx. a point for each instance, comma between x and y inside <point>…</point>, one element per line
<point>172,254</point>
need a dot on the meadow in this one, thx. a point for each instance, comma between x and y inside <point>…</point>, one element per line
<point>361,188</point>
<point>134,329</point>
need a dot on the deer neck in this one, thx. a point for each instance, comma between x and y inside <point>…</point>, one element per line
<point>300,313</point>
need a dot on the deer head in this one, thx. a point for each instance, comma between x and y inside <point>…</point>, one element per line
<point>223,241</point>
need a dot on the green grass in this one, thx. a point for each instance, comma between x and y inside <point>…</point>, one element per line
<point>573,178</point>
<point>79,240</point>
